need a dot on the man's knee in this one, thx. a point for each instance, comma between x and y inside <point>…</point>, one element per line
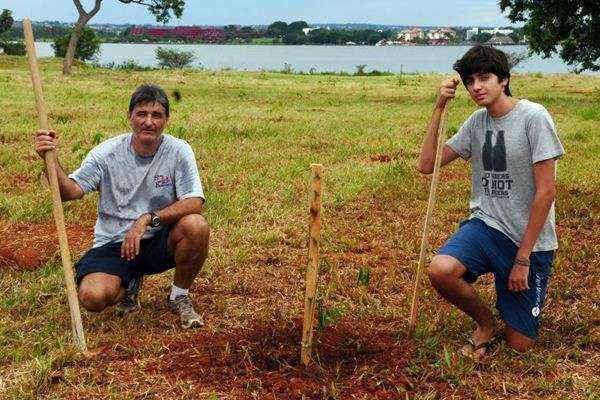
<point>95,296</point>
<point>444,268</point>
<point>194,227</point>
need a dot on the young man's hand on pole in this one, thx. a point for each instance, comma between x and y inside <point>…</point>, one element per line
<point>447,91</point>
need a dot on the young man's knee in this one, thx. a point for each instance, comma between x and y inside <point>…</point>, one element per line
<point>443,269</point>
<point>519,342</point>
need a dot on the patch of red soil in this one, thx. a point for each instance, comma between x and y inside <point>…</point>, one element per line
<point>28,246</point>
<point>359,359</point>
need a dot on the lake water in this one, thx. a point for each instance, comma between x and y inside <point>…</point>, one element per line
<point>422,59</point>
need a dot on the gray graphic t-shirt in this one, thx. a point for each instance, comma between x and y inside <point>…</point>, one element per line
<point>502,153</point>
<point>131,185</point>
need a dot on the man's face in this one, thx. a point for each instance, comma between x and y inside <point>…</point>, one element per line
<point>485,88</point>
<point>148,120</point>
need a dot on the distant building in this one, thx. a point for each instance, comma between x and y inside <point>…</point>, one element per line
<point>410,35</point>
<point>441,34</point>
<point>496,31</point>
<point>308,30</point>
<point>499,40</point>
<point>210,34</point>
<point>472,32</point>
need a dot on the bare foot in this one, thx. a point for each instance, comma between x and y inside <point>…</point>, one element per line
<point>478,344</point>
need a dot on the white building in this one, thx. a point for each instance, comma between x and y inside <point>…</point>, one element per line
<point>472,32</point>
<point>441,34</point>
<point>410,35</point>
<point>308,30</point>
<point>495,31</point>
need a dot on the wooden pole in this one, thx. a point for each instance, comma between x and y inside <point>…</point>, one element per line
<point>313,263</point>
<point>428,218</point>
<point>50,159</point>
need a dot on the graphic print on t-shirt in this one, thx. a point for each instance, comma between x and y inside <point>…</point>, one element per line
<point>496,182</point>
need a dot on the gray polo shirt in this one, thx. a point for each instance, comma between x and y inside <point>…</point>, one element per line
<point>502,153</point>
<point>131,185</point>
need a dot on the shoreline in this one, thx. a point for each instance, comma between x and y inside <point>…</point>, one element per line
<point>293,45</point>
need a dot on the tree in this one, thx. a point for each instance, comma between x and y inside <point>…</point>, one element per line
<point>9,47</point>
<point>88,45</point>
<point>568,27</point>
<point>172,58</point>
<point>481,37</point>
<point>295,37</point>
<point>276,29</point>
<point>515,59</point>
<point>6,21</point>
<point>161,9</point>
<point>296,26</point>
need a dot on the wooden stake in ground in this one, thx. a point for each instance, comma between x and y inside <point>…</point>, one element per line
<point>428,218</point>
<point>50,159</point>
<point>313,263</point>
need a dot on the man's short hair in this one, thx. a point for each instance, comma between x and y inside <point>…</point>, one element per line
<point>149,94</point>
<point>484,59</point>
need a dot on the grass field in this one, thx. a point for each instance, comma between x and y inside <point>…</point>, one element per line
<point>255,135</point>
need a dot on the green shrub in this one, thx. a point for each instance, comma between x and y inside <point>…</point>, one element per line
<point>13,48</point>
<point>171,58</point>
<point>87,46</point>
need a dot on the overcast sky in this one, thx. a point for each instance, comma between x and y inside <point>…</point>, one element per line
<point>246,12</point>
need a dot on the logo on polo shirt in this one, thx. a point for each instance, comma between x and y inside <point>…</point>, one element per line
<point>162,181</point>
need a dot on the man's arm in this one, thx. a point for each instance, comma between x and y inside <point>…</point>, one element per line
<point>168,215</point>
<point>69,189</point>
<point>428,148</point>
<point>179,209</point>
<point>545,190</point>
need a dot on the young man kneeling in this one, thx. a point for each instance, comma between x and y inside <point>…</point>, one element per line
<point>513,147</point>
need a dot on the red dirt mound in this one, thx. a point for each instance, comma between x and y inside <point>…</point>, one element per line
<point>28,246</point>
<point>264,359</point>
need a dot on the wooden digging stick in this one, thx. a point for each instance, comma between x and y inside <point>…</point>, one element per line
<point>50,159</point>
<point>313,263</point>
<point>428,218</point>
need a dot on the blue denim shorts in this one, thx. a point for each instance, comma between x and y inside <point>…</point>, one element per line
<point>482,249</point>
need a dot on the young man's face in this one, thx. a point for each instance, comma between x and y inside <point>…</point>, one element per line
<point>485,88</point>
<point>148,120</point>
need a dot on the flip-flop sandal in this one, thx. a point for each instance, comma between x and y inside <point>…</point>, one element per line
<point>475,347</point>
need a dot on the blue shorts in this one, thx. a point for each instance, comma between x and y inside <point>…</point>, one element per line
<point>154,258</point>
<point>482,249</point>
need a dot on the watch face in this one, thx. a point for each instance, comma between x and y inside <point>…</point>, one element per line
<point>155,221</point>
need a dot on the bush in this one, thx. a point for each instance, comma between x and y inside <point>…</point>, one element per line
<point>360,69</point>
<point>131,65</point>
<point>13,48</point>
<point>171,58</point>
<point>87,46</point>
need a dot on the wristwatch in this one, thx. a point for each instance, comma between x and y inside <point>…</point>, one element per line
<point>155,221</point>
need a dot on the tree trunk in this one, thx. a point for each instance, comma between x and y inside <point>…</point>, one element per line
<point>70,55</point>
<point>83,19</point>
